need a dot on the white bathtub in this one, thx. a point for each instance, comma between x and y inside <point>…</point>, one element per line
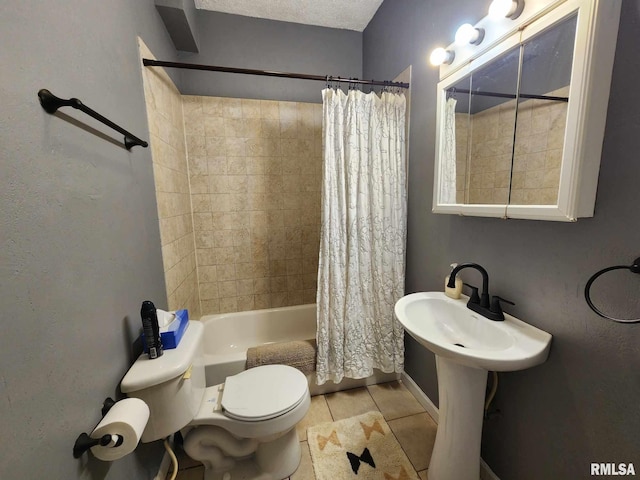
<point>227,336</point>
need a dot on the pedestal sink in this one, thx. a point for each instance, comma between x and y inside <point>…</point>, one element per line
<point>467,345</point>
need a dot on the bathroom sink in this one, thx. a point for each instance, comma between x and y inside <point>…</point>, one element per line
<point>466,345</point>
<point>449,329</point>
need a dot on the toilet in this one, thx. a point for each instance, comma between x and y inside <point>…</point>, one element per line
<point>241,429</point>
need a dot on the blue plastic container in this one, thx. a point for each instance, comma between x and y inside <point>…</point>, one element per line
<point>171,338</point>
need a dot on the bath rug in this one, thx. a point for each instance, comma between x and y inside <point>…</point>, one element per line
<point>300,354</point>
<point>358,448</point>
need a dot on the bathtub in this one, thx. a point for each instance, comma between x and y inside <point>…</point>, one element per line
<point>227,337</point>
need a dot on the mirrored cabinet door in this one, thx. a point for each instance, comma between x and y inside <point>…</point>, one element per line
<point>542,115</point>
<point>492,119</point>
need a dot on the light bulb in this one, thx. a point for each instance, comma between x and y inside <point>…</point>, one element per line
<point>505,8</point>
<point>440,56</point>
<point>467,33</point>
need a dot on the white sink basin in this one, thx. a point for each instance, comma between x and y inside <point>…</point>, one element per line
<point>449,329</point>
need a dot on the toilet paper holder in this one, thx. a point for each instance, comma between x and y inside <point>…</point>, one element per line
<point>84,442</point>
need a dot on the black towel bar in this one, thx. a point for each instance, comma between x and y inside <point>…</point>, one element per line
<point>634,268</point>
<point>51,104</point>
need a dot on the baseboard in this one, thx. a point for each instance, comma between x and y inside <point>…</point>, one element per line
<point>485,471</point>
<point>163,470</point>
<point>422,398</point>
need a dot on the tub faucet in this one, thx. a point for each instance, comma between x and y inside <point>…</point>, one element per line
<point>488,309</point>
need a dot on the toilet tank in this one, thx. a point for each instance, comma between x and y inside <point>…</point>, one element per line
<point>171,385</point>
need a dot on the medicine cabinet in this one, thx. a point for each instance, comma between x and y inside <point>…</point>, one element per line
<point>521,116</point>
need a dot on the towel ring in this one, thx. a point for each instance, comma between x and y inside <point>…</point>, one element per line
<point>634,268</point>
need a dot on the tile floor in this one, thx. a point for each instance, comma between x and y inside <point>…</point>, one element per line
<point>412,426</point>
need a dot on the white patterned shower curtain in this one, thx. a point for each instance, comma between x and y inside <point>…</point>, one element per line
<point>448,161</point>
<point>362,246</point>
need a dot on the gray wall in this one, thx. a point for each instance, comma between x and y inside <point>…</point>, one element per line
<point>581,406</point>
<point>245,42</point>
<point>79,239</point>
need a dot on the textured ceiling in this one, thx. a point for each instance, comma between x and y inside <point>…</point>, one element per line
<point>345,14</point>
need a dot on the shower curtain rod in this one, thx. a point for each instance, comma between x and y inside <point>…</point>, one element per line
<point>452,91</point>
<point>267,73</point>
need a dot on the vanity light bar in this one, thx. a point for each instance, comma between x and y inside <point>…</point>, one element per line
<point>468,34</point>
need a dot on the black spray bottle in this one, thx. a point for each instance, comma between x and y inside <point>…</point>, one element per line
<point>151,329</point>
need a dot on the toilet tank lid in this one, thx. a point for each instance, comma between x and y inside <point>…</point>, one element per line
<point>145,373</point>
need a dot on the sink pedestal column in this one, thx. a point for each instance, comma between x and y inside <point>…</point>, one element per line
<point>456,453</point>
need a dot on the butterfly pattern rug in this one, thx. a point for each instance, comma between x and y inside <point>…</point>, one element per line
<point>358,448</point>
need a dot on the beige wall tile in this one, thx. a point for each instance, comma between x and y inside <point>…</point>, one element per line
<point>210,307</point>
<point>309,296</point>
<point>228,304</point>
<point>208,291</point>
<point>212,106</point>
<point>261,285</point>
<point>168,150</point>
<point>269,109</point>
<point>538,149</point>
<point>231,107</point>
<point>255,173</point>
<point>262,300</point>
<point>213,126</point>
<point>279,299</point>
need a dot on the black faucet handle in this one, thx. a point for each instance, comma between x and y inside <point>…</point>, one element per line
<point>474,298</point>
<point>495,303</point>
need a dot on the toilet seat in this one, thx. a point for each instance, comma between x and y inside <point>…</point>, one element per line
<point>264,392</point>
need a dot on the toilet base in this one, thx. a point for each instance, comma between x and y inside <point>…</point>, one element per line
<point>243,459</point>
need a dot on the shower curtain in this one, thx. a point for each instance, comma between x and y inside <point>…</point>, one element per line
<point>448,161</point>
<point>362,247</point>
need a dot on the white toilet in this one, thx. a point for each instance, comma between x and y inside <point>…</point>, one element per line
<point>243,429</point>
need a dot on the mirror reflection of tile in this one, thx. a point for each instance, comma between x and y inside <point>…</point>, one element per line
<point>485,176</point>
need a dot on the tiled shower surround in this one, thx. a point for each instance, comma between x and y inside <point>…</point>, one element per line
<point>171,177</point>
<point>255,171</point>
<point>238,192</point>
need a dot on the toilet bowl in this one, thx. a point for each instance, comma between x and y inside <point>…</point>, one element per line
<point>243,428</point>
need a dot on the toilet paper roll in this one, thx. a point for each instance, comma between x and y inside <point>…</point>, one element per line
<point>127,419</point>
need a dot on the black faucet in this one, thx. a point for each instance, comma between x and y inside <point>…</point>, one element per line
<point>488,309</point>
